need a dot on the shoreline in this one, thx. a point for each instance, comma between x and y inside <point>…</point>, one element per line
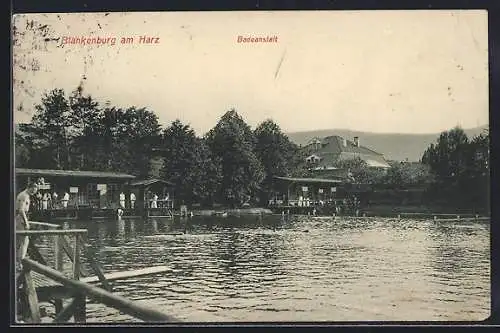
<point>364,213</point>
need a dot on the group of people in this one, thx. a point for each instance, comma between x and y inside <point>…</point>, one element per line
<point>154,200</point>
<point>348,206</point>
<point>45,200</point>
<point>123,200</point>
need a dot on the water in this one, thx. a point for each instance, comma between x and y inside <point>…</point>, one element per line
<point>300,269</point>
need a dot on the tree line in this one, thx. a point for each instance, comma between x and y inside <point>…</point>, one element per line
<point>231,164</point>
<point>460,167</point>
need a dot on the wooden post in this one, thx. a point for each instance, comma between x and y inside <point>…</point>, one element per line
<point>58,253</point>
<point>115,301</point>
<point>96,268</point>
<point>65,314</point>
<point>80,299</point>
<point>70,252</point>
<point>32,297</point>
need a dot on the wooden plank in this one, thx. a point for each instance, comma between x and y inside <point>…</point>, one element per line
<point>128,274</point>
<point>80,299</point>
<point>98,271</point>
<point>70,252</point>
<point>51,232</point>
<point>58,253</point>
<point>44,224</point>
<point>35,254</point>
<point>32,298</point>
<point>80,313</point>
<point>41,281</point>
<point>58,305</point>
<point>65,314</point>
<point>115,301</point>
<point>76,259</point>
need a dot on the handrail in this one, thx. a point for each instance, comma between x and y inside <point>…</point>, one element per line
<point>45,224</point>
<point>115,301</point>
<point>51,232</point>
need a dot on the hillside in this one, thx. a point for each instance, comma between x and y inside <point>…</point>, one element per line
<point>394,146</point>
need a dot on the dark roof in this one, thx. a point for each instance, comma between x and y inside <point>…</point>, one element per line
<point>71,173</point>
<point>147,182</point>
<point>331,149</point>
<point>310,180</point>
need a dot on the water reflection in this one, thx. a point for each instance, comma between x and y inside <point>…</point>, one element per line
<point>299,268</point>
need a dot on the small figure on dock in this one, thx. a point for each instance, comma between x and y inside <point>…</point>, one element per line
<point>54,200</point>
<point>314,211</point>
<point>154,201</point>
<point>132,200</point>
<point>122,200</point>
<point>165,200</point>
<point>65,200</point>
<point>183,210</point>
<point>45,201</point>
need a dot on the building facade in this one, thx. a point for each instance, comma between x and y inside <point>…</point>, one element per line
<point>325,154</point>
<point>82,188</point>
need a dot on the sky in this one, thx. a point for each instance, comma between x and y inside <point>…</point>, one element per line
<point>374,71</point>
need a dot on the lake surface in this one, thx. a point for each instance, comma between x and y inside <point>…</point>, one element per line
<point>298,269</point>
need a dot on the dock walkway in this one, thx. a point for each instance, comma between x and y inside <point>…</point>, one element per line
<point>40,282</point>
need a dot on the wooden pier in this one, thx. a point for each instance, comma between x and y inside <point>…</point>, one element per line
<point>88,213</point>
<point>39,282</point>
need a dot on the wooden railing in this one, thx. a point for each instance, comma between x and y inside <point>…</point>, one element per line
<point>35,262</point>
<point>118,302</point>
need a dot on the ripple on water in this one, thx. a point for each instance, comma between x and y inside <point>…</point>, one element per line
<point>341,269</point>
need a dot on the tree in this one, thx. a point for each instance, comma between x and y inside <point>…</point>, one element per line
<point>124,140</point>
<point>85,116</point>
<point>233,143</point>
<point>277,154</point>
<point>51,126</point>
<point>446,157</point>
<point>25,146</point>
<point>140,133</point>
<point>460,167</point>
<point>188,164</point>
<point>359,171</point>
<point>403,175</point>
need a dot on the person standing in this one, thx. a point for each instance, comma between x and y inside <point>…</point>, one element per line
<point>122,200</point>
<point>54,199</point>
<point>132,200</point>
<point>65,200</point>
<point>22,223</point>
<point>38,201</point>
<point>154,202</point>
<point>45,201</point>
<point>22,207</point>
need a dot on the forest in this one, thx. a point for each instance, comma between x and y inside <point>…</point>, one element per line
<point>231,163</point>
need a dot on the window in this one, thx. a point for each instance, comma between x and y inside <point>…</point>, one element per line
<point>113,192</point>
<point>92,191</point>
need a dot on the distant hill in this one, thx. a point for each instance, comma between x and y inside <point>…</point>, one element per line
<point>394,146</point>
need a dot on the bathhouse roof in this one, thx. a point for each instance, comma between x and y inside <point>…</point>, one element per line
<point>71,173</point>
<point>310,180</point>
<point>147,182</point>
